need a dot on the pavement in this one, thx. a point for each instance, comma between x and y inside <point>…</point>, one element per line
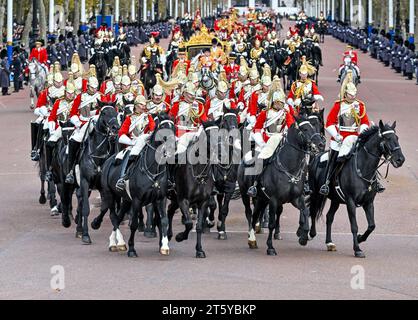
<point>39,259</point>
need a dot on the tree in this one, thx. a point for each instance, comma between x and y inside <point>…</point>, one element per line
<point>42,20</point>
<point>76,15</point>
<point>2,16</point>
<point>28,23</point>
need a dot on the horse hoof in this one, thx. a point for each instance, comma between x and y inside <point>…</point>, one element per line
<point>165,252</point>
<point>312,235</point>
<point>113,249</point>
<point>180,237</point>
<point>95,224</point>
<point>66,221</point>
<point>210,224</point>
<point>359,254</point>
<point>331,247</point>
<point>271,252</point>
<point>132,254</point>
<point>122,248</point>
<point>277,236</point>
<point>222,236</point>
<point>299,232</point>
<point>303,241</point>
<point>86,239</point>
<point>42,199</point>
<point>252,244</point>
<point>78,234</point>
<point>54,211</point>
<point>150,234</point>
<point>258,228</point>
<point>200,254</point>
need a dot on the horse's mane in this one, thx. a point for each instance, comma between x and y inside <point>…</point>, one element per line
<point>367,134</point>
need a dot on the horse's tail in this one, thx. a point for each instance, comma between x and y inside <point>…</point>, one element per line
<point>317,201</point>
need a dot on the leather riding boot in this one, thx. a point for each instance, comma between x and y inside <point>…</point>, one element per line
<point>73,148</point>
<point>379,187</point>
<point>359,80</point>
<point>171,180</point>
<point>34,131</point>
<point>332,164</point>
<point>49,150</point>
<point>121,184</point>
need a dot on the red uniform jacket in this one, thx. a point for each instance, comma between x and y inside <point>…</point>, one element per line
<point>262,117</point>
<point>353,55</point>
<point>42,99</point>
<point>75,109</point>
<point>231,71</point>
<point>175,110</point>
<point>39,54</point>
<point>53,115</point>
<point>232,105</point>
<point>124,129</point>
<point>315,91</point>
<point>333,119</point>
<point>176,62</point>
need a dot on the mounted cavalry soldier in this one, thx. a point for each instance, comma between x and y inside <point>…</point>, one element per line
<point>134,133</point>
<point>153,51</point>
<point>346,120</point>
<point>260,99</point>
<point>41,54</point>
<point>241,82</point>
<point>157,103</point>
<point>77,70</point>
<point>85,109</point>
<point>108,87</point>
<point>270,127</point>
<point>247,93</point>
<point>47,97</point>
<point>60,114</point>
<point>304,88</point>
<point>188,114</point>
<point>137,87</point>
<point>350,57</point>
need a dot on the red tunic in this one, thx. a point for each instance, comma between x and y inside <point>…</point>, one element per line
<point>42,99</point>
<point>124,129</point>
<point>39,54</point>
<point>314,91</point>
<point>262,117</point>
<point>353,55</point>
<point>53,117</point>
<point>231,71</point>
<point>176,62</point>
<point>333,119</point>
<point>175,110</point>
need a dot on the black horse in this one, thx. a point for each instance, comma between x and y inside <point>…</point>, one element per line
<point>95,150</point>
<point>147,185</point>
<point>291,70</point>
<point>193,187</point>
<point>356,180</point>
<point>282,180</point>
<point>99,60</point>
<point>225,171</point>
<point>314,55</point>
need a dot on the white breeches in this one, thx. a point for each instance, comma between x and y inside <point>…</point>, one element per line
<point>140,143</point>
<point>271,145</point>
<point>345,147</point>
<point>55,135</point>
<point>39,119</point>
<point>184,141</point>
<point>80,133</point>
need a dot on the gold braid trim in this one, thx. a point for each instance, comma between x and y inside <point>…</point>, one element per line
<point>195,115</point>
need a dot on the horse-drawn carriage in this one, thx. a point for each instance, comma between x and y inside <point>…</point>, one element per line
<point>199,42</point>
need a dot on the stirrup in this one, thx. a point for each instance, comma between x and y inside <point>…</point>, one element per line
<point>324,190</point>
<point>69,179</point>
<point>252,191</point>
<point>121,184</point>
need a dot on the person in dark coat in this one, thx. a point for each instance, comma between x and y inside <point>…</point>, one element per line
<point>16,68</point>
<point>82,47</point>
<point>62,53</point>
<point>4,77</point>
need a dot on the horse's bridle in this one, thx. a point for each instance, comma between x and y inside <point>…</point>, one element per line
<point>308,141</point>
<point>387,152</point>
